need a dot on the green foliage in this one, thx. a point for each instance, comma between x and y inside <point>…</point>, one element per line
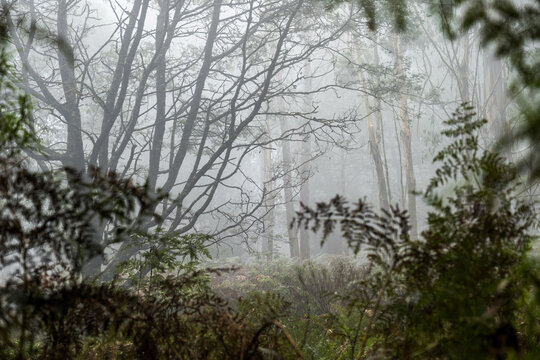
<point>48,231</point>
<point>46,311</point>
<point>396,8</point>
<point>47,227</point>
<point>50,217</point>
<point>473,247</point>
<point>16,128</point>
<point>528,314</point>
<point>329,304</point>
<point>165,255</point>
<point>466,289</point>
<point>15,125</point>
<point>454,292</point>
<point>50,224</point>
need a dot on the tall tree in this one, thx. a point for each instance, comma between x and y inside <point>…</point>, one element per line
<point>184,92</point>
<point>374,138</point>
<point>270,199</point>
<point>406,138</point>
<point>292,231</point>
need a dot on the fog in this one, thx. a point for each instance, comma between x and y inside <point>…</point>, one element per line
<point>240,111</point>
<point>269,179</point>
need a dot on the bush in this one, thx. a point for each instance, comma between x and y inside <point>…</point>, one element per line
<point>455,292</point>
<point>50,226</point>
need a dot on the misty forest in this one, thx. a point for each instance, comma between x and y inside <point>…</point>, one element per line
<point>269,179</point>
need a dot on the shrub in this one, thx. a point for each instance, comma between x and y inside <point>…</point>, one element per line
<point>452,293</point>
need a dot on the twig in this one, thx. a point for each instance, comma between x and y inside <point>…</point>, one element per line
<point>291,340</point>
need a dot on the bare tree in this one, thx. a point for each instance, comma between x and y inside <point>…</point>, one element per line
<point>175,103</point>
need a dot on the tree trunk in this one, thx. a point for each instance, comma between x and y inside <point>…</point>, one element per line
<point>376,155</point>
<point>270,200</point>
<point>377,159</point>
<point>305,196</point>
<point>495,99</point>
<point>305,156</point>
<point>374,145</point>
<point>379,131</point>
<point>161,94</point>
<point>463,76</point>
<point>342,247</point>
<point>292,230</point>
<point>66,63</point>
<point>406,140</point>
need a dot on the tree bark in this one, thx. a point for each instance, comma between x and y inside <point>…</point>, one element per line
<point>463,78</point>
<point>495,98</point>
<point>305,197</point>
<point>66,62</point>
<point>161,94</point>
<point>292,230</point>
<point>305,156</point>
<point>374,145</point>
<point>270,200</point>
<point>379,131</point>
<point>406,139</point>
